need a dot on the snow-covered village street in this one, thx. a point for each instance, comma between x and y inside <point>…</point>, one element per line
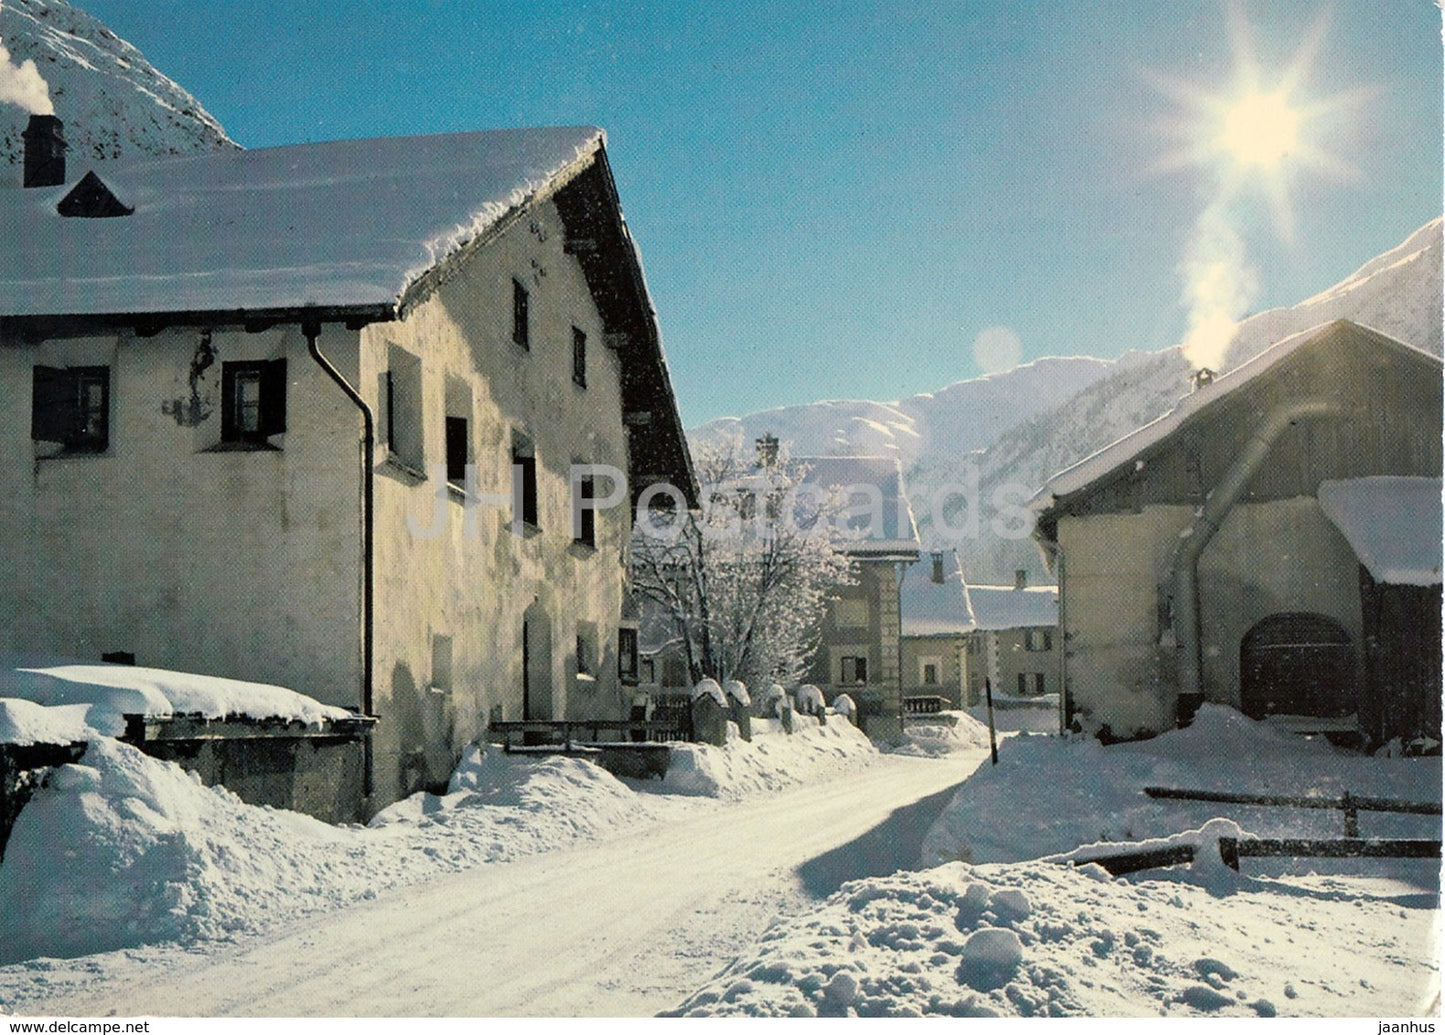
<point>584,509</point>
<point>804,874</point>
<point>625,927</point>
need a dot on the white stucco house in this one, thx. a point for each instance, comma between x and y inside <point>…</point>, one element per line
<point>313,416</point>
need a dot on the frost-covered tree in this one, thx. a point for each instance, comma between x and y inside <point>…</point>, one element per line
<point>742,583</point>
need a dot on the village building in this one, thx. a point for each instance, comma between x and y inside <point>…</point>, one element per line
<point>1014,643</point>
<point>937,621</point>
<point>1271,544</point>
<point>860,645</point>
<point>364,419</point>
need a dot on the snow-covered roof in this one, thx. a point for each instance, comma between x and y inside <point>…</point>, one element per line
<point>347,223</point>
<point>113,691</point>
<point>1006,607</point>
<point>1392,523</point>
<point>1128,448</point>
<point>936,608</point>
<point>881,518</point>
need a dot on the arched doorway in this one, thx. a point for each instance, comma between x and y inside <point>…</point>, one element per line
<point>1297,663</point>
<point>536,663</point>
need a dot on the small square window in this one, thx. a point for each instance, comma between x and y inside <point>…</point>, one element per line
<point>253,401</point>
<point>71,406</point>
<point>579,358</point>
<point>854,671</point>
<point>930,674</point>
<point>521,323</point>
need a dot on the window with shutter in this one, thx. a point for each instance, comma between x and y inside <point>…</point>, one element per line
<point>71,406</point>
<point>253,401</point>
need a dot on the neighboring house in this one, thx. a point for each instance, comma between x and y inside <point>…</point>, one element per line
<point>860,649</point>
<point>937,621</point>
<point>1015,641</point>
<point>308,416</point>
<point>1272,544</point>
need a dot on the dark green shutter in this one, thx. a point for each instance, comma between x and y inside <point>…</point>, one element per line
<point>53,405</point>
<point>273,397</point>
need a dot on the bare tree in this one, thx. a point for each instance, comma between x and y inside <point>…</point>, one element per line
<point>742,583</point>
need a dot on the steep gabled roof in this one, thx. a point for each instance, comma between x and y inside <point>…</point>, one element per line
<point>1128,451</point>
<point>355,230</point>
<point>339,224</point>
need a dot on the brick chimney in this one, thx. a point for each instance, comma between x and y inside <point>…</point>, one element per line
<point>938,566</point>
<point>1021,578</point>
<point>44,152</point>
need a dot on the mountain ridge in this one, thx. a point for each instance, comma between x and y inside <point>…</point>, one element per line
<point>113,102</point>
<point>947,470</point>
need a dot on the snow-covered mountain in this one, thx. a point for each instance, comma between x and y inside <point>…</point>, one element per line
<point>112,100</point>
<point>1009,432</point>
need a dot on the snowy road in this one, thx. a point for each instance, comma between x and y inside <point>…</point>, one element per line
<point>625,927</point>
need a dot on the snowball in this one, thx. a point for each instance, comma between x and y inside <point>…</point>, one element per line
<point>842,990</point>
<point>990,957</point>
<point>1009,904</point>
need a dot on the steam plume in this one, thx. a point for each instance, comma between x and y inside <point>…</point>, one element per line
<point>1219,285</point>
<point>22,84</point>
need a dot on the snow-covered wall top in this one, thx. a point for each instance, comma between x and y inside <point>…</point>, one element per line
<point>1392,523</point>
<point>111,692</point>
<point>114,103</point>
<point>341,223</point>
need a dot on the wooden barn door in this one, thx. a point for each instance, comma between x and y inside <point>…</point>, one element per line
<point>1297,664</point>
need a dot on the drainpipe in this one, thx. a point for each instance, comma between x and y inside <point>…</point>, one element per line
<point>312,330</point>
<point>1181,590</point>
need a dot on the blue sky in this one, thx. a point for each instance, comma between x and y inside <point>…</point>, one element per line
<point>834,199</point>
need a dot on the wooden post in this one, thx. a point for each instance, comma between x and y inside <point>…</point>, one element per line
<point>992,737</point>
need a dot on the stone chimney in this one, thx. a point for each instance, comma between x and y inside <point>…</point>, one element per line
<point>1201,377</point>
<point>767,450</point>
<point>44,152</point>
<point>1021,578</point>
<point>938,566</point>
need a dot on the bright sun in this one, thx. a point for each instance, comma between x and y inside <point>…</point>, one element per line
<point>1261,134</point>
<point>1260,129</point>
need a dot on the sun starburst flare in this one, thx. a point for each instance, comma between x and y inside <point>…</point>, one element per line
<point>1260,133</point>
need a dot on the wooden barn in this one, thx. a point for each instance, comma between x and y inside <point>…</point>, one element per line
<point>1273,544</point>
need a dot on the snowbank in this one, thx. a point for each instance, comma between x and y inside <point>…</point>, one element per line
<point>771,761</point>
<point>151,855</point>
<point>942,734</point>
<point>1044,940</point>
<point>1060,793</point>
<point>113,691</point>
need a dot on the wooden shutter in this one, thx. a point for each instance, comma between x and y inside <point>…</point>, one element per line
<point>53,405</point>
<point>273,397</point>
